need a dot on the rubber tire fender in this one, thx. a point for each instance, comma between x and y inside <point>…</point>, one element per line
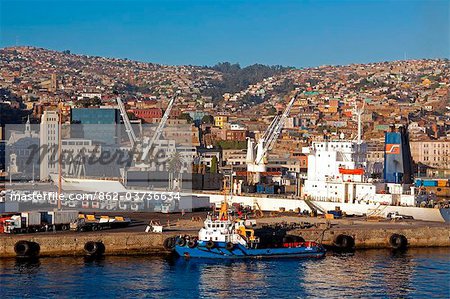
<point>398,241</point>
<point>25,248</point>
<point>94,248</point>
<point>169,243</point>
<point>344,242</point>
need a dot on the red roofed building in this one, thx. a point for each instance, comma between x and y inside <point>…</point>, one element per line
<point>147,114</point>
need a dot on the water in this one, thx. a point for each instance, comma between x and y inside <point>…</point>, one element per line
<point>417,273</point>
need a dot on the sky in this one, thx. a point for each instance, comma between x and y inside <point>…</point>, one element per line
<point>290,33</point>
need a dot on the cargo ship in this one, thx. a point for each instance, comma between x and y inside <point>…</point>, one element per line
<point>224,237</point>
<point>337,177</point>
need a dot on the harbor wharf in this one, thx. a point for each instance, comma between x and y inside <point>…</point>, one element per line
<point>344,234</point>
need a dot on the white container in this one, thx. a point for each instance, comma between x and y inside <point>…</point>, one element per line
<point>63,217</point>
<point>32,218</point>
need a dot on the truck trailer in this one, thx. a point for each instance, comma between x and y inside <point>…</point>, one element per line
<point>39,221</point>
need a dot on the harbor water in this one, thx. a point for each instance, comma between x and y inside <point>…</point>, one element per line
<point>416,273</point>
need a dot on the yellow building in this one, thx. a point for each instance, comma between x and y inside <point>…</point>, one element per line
<point>220,121</point>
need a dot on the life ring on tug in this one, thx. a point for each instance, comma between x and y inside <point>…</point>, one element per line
<point>181,242</point>
<point>398,241</point>
<point>192,244</point>
<point>229,246</point>
<point>210,244</point>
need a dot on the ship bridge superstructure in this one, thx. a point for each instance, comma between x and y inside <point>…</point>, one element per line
<point>336,160</point>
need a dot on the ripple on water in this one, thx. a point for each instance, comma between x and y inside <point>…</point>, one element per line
<point>418,273</point>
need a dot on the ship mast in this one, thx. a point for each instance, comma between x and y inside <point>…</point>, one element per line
<point>59,156</point>
<point>359,112</point>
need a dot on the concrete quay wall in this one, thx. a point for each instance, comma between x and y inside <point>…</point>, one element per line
<point>436,236</point>
<point>72,244</point>
<point>129,243</point>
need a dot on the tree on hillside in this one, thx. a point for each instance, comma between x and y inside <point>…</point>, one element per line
<point>208,119</point>
<point>235,78</point>
<point>214,165</point>
<point>187,117</point>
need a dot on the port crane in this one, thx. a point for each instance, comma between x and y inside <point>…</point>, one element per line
<point>256,164</point>
<point>150,143</point>
<point>126,121</point>
<point>146,143</point>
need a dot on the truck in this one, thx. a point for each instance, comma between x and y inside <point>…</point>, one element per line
<point>397,216</point>
<point>36,221</point>
<point>90,222</point>
<point>3,220</point>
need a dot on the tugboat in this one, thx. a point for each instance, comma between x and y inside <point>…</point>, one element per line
<point>225,237</point>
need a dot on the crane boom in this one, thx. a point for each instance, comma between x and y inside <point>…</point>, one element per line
<point>159,129</point>
<point>274,130</point>
<point>126,121</point>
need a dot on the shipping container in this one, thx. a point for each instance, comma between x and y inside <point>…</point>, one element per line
<point>197,181</point>
<point>260,188</point>
<point>336,213</point>
<point>273,189</point>
<point>269,189</point>
<point>31,218</point>
<point>212,181</point>
<point>442,183</point>
<point>429,183</point>
<point>62,217</point>
<point>248,188</point>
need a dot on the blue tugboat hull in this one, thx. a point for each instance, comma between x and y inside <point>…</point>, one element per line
<point>239,251</point>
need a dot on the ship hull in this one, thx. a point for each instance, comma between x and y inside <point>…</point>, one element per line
<point>275,204</point>
<point>239,251</point>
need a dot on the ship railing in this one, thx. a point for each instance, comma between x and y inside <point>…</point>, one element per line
<point>325,198</point>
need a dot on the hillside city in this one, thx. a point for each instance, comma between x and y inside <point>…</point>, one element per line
<point>223,105</point>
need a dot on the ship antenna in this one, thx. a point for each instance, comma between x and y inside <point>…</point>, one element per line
<point>358,113</point>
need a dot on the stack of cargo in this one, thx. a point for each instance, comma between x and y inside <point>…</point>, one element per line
<point>269,189</point>
<point>212,181</point>
<point>443,183</point>
<point>432,183</point>
<point>260,188</point>
<point>429,183</point>
<point>248,188</point>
